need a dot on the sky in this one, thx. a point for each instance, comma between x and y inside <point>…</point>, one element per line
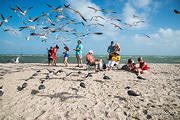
<point>160,23</point>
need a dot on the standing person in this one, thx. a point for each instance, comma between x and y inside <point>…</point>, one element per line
<point>66,55</point>
<point>116,49</point>
<point>54,52</point>
<point>143,68</point>
<point>110,49</point>
<point>49,56</point>
<point>78,50</point>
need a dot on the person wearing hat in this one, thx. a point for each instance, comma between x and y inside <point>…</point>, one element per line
<point>92,62</point>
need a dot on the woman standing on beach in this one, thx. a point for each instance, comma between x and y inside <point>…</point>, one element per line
<point>54,51</point>
<point>66,55</point>
<point>78,50</point>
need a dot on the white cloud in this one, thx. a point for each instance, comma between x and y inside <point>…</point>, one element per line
<point>129,11</point>
<point>141,3</point>
<point>165,40</point>
<point>108,29</point>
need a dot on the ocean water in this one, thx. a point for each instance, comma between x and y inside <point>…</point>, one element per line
<point>72,59</point>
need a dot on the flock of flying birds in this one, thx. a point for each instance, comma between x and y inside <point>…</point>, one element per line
<point>58,20</point>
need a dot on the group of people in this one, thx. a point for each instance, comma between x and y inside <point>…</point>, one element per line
<point>52,55</point>
<point>114,59</point>
<point>131,66</point>
<point>53,50</point>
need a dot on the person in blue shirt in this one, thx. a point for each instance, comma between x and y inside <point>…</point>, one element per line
<point>78,50</point>
<point>110,49</point>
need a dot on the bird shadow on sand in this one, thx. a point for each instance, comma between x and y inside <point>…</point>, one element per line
<point>63,96</point>
<point>77,69</point>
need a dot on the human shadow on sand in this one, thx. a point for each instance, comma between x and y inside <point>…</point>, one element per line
<point>62,95</point>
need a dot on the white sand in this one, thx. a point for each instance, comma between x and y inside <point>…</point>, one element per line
<point>64,99</point>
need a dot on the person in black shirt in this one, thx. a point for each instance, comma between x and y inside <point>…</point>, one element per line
<point>49,55</point>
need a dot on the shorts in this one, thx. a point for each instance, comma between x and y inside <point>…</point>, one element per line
<point>92,64</point>
<point>110,57</point>
<point>66,55</point>
<point>79,58</point>
<point>112,63</point>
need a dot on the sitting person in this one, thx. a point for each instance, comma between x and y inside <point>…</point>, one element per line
<point>114,60</point>
<point>131,66</point>
<point>92,62</point>
<point>143,68</point>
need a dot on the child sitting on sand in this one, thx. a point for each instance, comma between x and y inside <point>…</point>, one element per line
<point>143,68</point>
<point>66,55</point>
<point>131,66</point>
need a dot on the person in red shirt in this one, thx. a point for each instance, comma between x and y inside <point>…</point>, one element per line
<point>92,62</point>
<point>143,68</point>
<point>54,52</point>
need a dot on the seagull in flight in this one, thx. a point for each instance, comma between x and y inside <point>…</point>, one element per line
<point>43,36</point>
<point>96,24</point>
<point>36,18</point>
<point>96,17</point>
<point>109,11</point>
<point>176,11</point>
<point>134,16</point>
<point>116,19</point>
<point>85,26</point>
<point>14,10</point>
<point>56,9</point>
<point>10,30</point>
<point>76,11</point>
<point>49,21</point>
<point>146,35</point>
<point>117,26</point>
<point>23,12</point>
<point>5,20</point>
<point>32,27</point>
<point>95,10</point>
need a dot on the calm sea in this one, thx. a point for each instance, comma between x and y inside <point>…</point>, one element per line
<point>72,59</point>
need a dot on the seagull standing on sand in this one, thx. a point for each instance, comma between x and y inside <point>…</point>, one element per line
<point>131,92</point>
<point>82,85</point>
<point>1,91</point>
<point>41,86</point>
<point>5,20</point>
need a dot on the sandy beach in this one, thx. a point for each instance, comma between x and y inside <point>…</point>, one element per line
<point>102,99</point>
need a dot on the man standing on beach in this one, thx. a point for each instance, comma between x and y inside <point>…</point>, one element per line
<point>110,49</point>
<point>54,51</point>
<point>49,55</point>
<point>78,50</point>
